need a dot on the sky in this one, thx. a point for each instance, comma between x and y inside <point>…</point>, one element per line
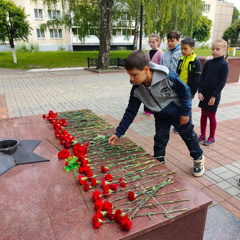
<point>236,3</point>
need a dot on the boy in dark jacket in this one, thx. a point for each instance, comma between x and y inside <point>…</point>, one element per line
<point>168,98</point>
<point>189,66</point>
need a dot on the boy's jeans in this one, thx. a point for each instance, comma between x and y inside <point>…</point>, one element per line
<point>162,126</point>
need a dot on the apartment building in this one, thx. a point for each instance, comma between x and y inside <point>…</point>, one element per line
<point>221,15</point>
<point>54,38</point>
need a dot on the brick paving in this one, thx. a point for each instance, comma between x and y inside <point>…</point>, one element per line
<point>26,93</point>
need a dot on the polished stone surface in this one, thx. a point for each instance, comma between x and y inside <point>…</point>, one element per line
<point>42,197</point>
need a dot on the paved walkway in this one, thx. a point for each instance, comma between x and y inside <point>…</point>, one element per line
<point>26,93</point>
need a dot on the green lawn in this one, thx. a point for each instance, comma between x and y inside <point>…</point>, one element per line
<point>31,60</point>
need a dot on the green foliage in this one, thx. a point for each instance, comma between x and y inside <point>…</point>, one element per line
<point>168,15</point>
<point>233,31</point>
<point>31,48</point>
<point>13,23</point>
<point>28,60</point>
<point>202,29</point>
<point>23,48</point>
<point>72,163</point>
<point>235,15</point>
<point>204,46</point>
<point>61,48</point>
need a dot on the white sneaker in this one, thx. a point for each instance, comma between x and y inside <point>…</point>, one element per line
<point>198,168</point>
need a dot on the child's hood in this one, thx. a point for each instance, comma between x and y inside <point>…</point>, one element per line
<point>160,72</point>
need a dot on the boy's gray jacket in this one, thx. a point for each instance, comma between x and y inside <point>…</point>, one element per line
<point>170,58</point>
<point>167,94</point>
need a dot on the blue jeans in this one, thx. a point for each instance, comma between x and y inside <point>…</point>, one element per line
<point>163,123</point>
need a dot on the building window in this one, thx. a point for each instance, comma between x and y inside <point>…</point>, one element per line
<point>40,33</point>
<point>38,14</point>
<point>54,14</point>
<point>207,7</point>
<point>55,33</point>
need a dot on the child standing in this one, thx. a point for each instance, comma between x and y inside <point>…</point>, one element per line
<point>168,98</point>
<point>155,55</point>
<point>189,66</point>
<point>212,81</point>
<point>171,56</point>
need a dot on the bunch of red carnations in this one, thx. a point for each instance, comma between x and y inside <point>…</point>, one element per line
<point>105,209</point>
<point>65,138</point>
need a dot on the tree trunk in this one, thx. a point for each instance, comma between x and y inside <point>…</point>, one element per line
<point>14,55</point>
<point>11,41</point>
<point>135,40</point>
<point>106,8</point>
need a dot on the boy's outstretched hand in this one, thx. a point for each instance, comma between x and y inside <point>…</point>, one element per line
<point>112,139</point>
<point>184,120</point>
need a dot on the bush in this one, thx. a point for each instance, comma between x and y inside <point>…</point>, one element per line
<point>30,48</point>
<point>33,48</point>
<point>204,46</point>
<point>61,48</point>
<point>23,48</point>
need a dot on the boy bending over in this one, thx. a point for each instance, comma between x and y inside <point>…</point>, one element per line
<point>168,98</point>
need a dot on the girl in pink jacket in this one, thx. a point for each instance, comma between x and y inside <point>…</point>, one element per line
<point>155,55</point>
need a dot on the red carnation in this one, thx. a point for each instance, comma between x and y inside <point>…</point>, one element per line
<point>44,116</point>
<point>110,215</point>
<point>113,186</point>
<point>108,176</point>
<point>84,163</point>
<point>131,196</point>
<point>67,145</point>
<point>63,154</point>
<point>95,221</point>
<point>126,223</point>
<point>86,186</point>
<point>98,205</point>
<point>118,216</point>
<point>121,182</point>
<point>106,191</point>
<point>81,179</point>
<point>94,182</point>
<point>96,195</point>
<point>81,169</point>
<point>106,206</point>
<point>104,169</point>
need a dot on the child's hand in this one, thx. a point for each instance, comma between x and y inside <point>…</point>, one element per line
<point>211,101</point>
<point>112,139</point>
<point>184,120</point>
<point>200,97</point>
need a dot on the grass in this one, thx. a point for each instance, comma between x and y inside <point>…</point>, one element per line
<point>31,60</point>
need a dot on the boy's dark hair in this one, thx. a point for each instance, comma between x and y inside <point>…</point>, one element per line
<point>137,59</point>
<point>174,34</point>
<point>189,41</point>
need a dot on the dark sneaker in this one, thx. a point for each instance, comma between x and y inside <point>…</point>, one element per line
<point>198,168</point>
<point>209,142</point>
<point>161,159</point>
<point>201,138</point>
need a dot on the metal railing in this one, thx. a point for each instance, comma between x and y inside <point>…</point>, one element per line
<point>113,62</point>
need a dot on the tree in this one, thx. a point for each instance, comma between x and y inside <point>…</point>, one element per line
<point>13,24</point>
<point>233,31</point>
<point>235,15</point>
<point>106,8</point>
<point>202,29</point>
<point>168,15</point>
